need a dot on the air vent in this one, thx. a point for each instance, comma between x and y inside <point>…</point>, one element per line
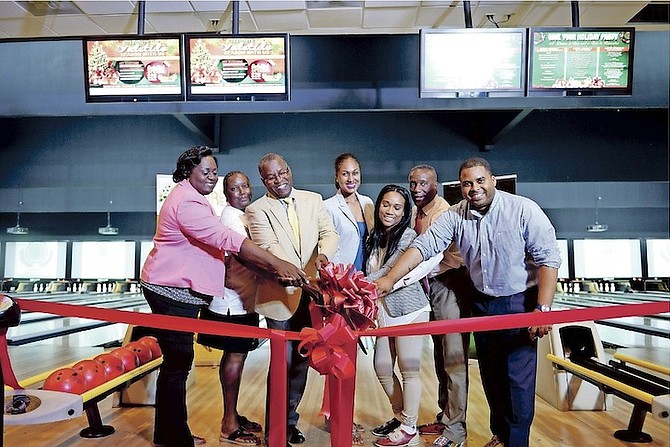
<point>42,9</point>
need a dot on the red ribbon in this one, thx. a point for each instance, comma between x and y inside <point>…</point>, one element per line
<point>341,391</point>
<point>332,352</point>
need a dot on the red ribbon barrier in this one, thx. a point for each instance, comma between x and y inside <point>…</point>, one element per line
<point>341,392</point>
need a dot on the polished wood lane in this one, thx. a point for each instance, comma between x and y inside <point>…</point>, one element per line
<point>552,428</point>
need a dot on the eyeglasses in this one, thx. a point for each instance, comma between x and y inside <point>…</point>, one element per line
<point>280,174</point>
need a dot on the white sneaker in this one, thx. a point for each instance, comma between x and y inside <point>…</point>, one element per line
<point>399,438</point>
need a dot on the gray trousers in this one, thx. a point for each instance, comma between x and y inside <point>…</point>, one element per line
<point>451,353</point>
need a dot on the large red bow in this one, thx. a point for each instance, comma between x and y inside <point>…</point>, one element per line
<point>325,349</point>
<point>345,291</point>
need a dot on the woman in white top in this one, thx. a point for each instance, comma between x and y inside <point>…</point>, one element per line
<point>235,306</point>
<point>352,213</point>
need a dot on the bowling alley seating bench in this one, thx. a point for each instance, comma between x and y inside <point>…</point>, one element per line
<point>91,398</point>
<point>647,392</point>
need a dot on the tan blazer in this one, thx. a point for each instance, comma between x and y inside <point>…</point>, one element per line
<point>270,229</point>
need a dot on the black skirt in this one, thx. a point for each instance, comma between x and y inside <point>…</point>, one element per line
<point>225,343</point>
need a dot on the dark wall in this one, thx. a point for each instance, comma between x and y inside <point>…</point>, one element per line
<point>66,170</point>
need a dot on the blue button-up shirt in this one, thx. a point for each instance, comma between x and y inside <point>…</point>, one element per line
<point>502,249</point>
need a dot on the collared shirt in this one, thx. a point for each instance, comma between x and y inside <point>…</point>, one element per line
<point>428,215</point>
<point>502,249</point>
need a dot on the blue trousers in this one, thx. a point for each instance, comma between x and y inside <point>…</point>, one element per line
<point>507,363</point>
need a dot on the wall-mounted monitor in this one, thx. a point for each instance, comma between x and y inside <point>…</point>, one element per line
<point>658,258</point>
<point>252,67</point>
<point>581,61</point>
<point>607,258</point>
<point>470,63</point>
<point>108,260</point>
<point>132,69</point>
<point>35,259</point>
<point>451,191</point>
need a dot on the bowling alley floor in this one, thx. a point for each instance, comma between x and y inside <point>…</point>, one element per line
<point>134,425</point>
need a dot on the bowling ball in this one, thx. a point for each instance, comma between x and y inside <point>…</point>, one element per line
<point>152,343</point>
<point>66,380</point>
<point>142,351</point>
<point>112,365</point>
<point>93,372</point>
<point>128,357</point>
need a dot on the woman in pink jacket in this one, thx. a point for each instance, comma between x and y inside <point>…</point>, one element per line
<point>184,270</point>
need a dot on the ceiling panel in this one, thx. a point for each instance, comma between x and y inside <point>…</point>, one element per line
<point>341,18</point>
<point>72,25</point>
<point>120,24</point>
<point>389,18</point>
<point>176,23</point>
<point>28,27</point>
<point>281,21</point>
<point>10,10</point>
<point>106,7</point>
<point>302,17</point>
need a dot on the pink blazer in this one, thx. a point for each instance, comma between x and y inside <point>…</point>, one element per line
<point>189,244</point>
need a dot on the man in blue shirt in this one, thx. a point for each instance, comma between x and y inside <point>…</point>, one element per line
<point>509,246</point>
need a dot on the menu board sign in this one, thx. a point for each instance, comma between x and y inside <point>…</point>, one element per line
<point>239,67</point>
<point>581,59</point>
<point>133,68</point>
<point>472,61</point>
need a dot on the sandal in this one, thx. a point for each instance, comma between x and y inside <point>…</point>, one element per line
<point>240,437</point>
<point>250,426</point>
<point>356,438</point>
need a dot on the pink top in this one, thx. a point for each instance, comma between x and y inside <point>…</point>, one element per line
<point>189,244</point>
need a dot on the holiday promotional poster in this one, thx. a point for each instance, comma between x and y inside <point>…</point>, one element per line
<point>569,59</point>
<point>237,65</point>
<point>134,67</point>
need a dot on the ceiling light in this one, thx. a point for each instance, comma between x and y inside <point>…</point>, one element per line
<point>108,230</point>
<point>18,229</point>
<point>596,227</point>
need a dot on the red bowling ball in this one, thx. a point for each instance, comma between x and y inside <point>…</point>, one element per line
<point>66,380</point>
<point>92,371</point>
<point>128,357</point>
<point>112,365</point>
<point>142,351</point>
<point>152,343</point>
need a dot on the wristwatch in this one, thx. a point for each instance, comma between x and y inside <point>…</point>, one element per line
<point>543,308</point>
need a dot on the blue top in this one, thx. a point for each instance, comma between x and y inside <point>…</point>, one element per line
<point>502,249</point>
<point>363,232</point>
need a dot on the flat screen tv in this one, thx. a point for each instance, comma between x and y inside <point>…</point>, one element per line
<point>451,191</point>
<point>238,67</point>
<point>133,69</point>
<point>581,61</point>
<point>658,258</point>
<point>103,260</point>
<point>607,258</point>
<point>35,259</point>
<point>472,63</point>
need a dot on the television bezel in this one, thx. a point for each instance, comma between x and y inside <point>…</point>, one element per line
<point>508,179</point>
<point>130,97</point>
<point>238,96</point>
<point>424,92</point>
<point>577,91</point>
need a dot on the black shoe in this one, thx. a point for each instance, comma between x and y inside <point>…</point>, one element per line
<point>293,435</point>
<point>387,427</point>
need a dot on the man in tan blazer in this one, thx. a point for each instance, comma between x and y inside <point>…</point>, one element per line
<point>293,225</point>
